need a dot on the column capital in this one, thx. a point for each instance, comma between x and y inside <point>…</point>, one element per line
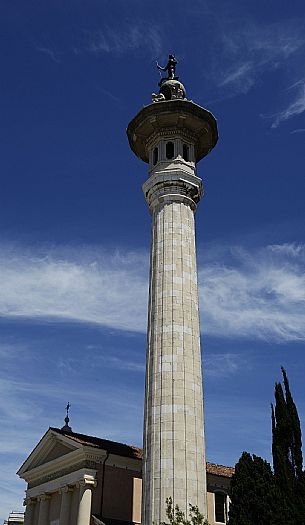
<point>163,188</point>
<point>65,489</point>
<point>87,482</point>
<point>43,497</point>
<point>29,501</point>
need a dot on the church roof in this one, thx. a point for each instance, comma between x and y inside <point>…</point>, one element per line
<point>220,470</point>
<point>120,449</point>
<point>130,451</point>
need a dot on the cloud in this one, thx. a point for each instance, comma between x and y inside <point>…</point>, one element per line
<point>49,52</point>
<point>136,36</point>
<point>249,50</point>
<point>300,130</point>
<point>255,295</point>
<point>221,365</point>
<point>107,289</point>
<point>294,108</point>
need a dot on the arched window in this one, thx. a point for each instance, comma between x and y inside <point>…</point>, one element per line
<point>220,500</point>
<point>169,150</point>
<point>155,156</point>
<point>186,152</point>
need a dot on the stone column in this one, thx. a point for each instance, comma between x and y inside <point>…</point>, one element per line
<point>29,511</point>
<point>44,504</point>
<point>174,448</point>
<point>85,499</point>
<point>172,135</point>
<point>64,517</point>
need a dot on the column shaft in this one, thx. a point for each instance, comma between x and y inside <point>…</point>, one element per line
<point>84,509</point>
<point>174,462</point>
<point>64,517</point>
<point>44,504</point>
<point>29,512</point>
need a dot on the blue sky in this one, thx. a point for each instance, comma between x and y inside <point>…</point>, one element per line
<point>75,229</point>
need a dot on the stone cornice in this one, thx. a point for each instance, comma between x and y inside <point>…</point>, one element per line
<point>178,115</point>
<point>55,485</point>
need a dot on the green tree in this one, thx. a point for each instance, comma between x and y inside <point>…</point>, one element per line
<point>287,451</point>
<point>176,516</point>
<point>260,496</point>
<point>254,495</point>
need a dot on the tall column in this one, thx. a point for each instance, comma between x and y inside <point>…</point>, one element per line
<point>29,511</point>
<point>43,518</point>
<point>174,448</point>
<point>172,135</point>
<point>85,499</point>
<point>64,517</point>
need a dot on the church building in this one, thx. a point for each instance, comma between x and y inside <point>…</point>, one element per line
<point>74,479</point>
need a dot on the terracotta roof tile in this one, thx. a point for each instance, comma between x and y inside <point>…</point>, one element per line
<point>220,470</point>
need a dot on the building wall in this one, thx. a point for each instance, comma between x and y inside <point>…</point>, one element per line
<point>123,494</point>
<point>216,484</point>
<point>118,495</point>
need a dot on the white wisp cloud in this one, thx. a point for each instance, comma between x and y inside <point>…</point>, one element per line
<point>257,295</point>
<point>295,107</point>
<point>107,289</point>
<point>250,50</point>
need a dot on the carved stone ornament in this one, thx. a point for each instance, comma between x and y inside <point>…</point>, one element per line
<point>157,97</point>
<point>87,482</point>
<point>43,497</point>
<point>65,489</point>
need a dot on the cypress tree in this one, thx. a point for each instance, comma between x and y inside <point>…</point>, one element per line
<point>296,434</point>
<point>287,452</point>
<point>260,496</point>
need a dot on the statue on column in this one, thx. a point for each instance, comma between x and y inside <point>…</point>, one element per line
<point>170,87</point>
<point>170,68</point>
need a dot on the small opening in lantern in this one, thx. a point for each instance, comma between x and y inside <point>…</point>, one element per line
<point>170,150</point>
<point>186,152</point>
<point>155,156</point>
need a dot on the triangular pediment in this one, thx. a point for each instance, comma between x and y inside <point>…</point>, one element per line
<point>58,450</point>
<point>50,448</point>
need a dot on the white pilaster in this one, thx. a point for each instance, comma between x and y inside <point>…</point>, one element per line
<point>44,504</point>
<point>64,517</point>
<point>29,511</point>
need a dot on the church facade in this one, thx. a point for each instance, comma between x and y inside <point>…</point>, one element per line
<point>85,480</point>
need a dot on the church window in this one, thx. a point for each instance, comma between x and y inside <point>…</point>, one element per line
<point>220,507</point>
<point>155,156</point>
<point>186,155</point>
<point>170,150</point>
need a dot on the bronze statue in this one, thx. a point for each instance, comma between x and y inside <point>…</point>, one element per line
<point>170,87</point>
<point>170,68</point>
